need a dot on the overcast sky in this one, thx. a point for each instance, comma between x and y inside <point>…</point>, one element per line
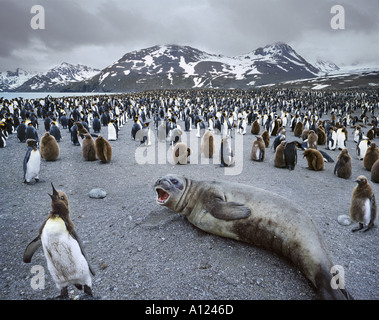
<point>97,33</point>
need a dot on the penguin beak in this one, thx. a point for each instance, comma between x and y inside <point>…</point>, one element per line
<point>55,192</point>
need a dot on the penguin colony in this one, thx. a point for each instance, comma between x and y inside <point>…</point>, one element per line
<point>208,113</point>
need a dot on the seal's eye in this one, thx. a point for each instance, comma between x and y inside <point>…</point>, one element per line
<point>177,183</point>
<point>62,197</point>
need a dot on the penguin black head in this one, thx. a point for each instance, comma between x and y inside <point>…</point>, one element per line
<point>31,143</point>
<point>79,125</point>
<point>59,200</point>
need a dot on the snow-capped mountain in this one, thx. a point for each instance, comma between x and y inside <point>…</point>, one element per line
<point>57,78</point>
<point>326,67</point>
<point>180,67</point>
<point>10,80</point>
<point>173,66</point>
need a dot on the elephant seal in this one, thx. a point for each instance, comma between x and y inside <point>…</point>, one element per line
<point>249,214</point>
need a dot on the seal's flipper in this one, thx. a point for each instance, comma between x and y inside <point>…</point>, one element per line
<point>31,248</point>
<point>227,210</point>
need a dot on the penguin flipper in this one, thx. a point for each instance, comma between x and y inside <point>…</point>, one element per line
<point>223,210</point>
<point>26,159</point>
<point>373,210</point>
<point>76,237</point>
<point>31,248</point>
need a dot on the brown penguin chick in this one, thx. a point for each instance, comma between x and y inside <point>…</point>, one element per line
<point>266,138</point>
<point>180,153</point>
<point>371,155</point>
<point>304,135</point>
<point>298,129</point>
<point>255,127</point>
<point>81,132</point>
<point>363,204</point>
<point>343,165</point>
<point>81,129</point>
<point>258,150</point>
<point>88,148</point>
<point>49,147</point>
<point>312,140</point>
<point>321,140</point>
<point>103,149</point>
<point>375,172</point>
<point>279,160</point>
<point>315,159</point>
<point>370,134</point>
<point>207,146</point>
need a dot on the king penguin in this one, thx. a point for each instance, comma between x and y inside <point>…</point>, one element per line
<point>112,133</point>
<point>279,161</point>
<point>255,127</point>
<point>312,139</point>
<point>290,154</point>
<point>207,146</point>
<point>96,124</point>
<point>331,139</point>
<point>3,139</point>
<point>88,148</point>
<point>371,155</point>
<point>341,138</point>
<point>55,131</point>
<point>103,149</point>
<point>363,205</point>
<point>49,147</point>
<point>226,153</point>
<point>362,147</point>
<point>266,138</point>
<point>31,132</point>
<point>375,172</point>
<point>258,150</point>
<point>180,153</point>
<point>32,161</point>
<point>315,159</point>
<point>63,250</point>
<point>21,132</point>
<point>343,165</point>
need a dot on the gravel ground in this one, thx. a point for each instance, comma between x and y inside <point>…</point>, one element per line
<point>141,251</point>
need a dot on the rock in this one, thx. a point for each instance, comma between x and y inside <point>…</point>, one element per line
<point>97,193</point>
<point>344,220</point>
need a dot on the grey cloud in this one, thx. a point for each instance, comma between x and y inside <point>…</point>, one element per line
<point>109,29</point>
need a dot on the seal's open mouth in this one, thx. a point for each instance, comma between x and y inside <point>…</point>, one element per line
<point>162,196</point>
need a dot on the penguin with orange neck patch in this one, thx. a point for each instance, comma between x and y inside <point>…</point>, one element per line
<point>65,257</point>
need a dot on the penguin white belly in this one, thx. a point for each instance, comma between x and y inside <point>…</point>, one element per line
<point>111,132</point>
<point>257,152</point>
<point>33,166</point>
<point>341,142</point>
<point>367,212</point>
<point>65,261</point>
